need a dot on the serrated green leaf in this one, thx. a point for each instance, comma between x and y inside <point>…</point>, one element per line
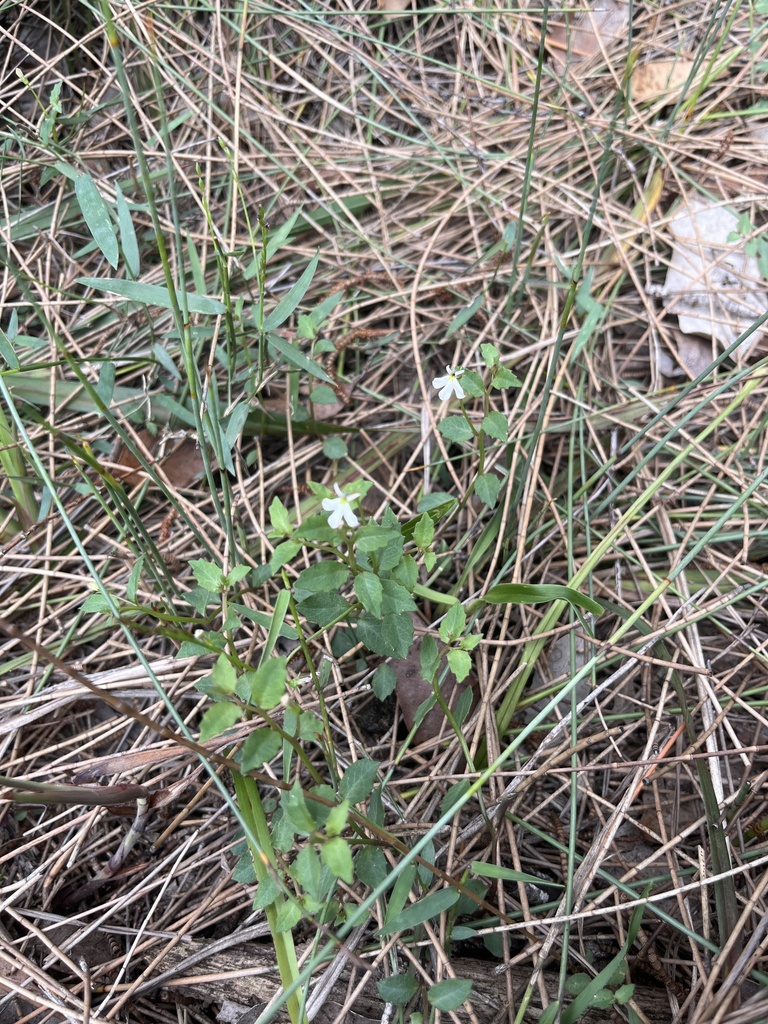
<point>208,575</point>
<point>260,748</point>
<point>322,577</point>
<point>540,593</point>
<point>398,989</point>
<point>424,910</point>
<point>373,537</point>
<point>358,780</point>
<point>453,624</point>
<point>244,871</point>
<point>324,608</point>
<point>369,592</point>
<point>284,553</point>
<point>473,384</point>
<point>487,487</point>
<point>424,532</point>
<point>459,663</point>
<point>337,819</point>
<point>495,425</point>
<point>504,378</point>
<point>237,573</point>
<point>96,604</point>
<point>455,428</point>
<point>337,856</point>
<point>295,809</point>
<point>307,870</point>
<point>449,994</point>
<point>396,598</point>
<point>266,893</point>
<point>490,355</point>
<point>397,634</point>
<point>218,718</point>
<point>266,686</point>
<point>96,216</point>
<point>624,993</point>
<point>288,916</point>
<point>279,518</point>
<point>152,294</point>
<point>384,681</point>
<point>223,675</point>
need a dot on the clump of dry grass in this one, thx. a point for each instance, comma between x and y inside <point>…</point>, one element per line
<point>435,161</point>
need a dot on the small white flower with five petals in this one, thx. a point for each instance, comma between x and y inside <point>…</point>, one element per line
<point>449,385</point>
<point>340,509</point>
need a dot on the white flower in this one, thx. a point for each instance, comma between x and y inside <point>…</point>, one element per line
<point>449,385</point>
<point>340,509</point>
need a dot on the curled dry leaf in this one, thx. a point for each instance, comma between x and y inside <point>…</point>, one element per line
<point>589,32</point>
<point>712,286</point>
<point>660,79</point>
<point>178,455</point>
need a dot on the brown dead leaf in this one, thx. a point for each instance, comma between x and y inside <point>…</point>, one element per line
<point>412,690</point>
<point>178,456</point>
<point>587,33</point>
<point>660,79</point>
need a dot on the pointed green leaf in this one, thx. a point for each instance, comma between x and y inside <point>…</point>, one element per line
<point>358,780</point>
<point>449,994</point>
<point>224,675</point>
<point>292,298</point>
<point>487,487</point>
<point>464,315</point>
<point>293,355</point>
<point>260,747</point>
<point>337,856</point>
<point>96,216</point>
<point>209,576</point>
<point>398,989</point>
<point>424,910</point>
<point>368,591</point>
<point>455,428</point>
<point>218,719</point>
<point>128,241</point>
<point>152,294</point>
<point>540,593</point>
<point>460,664</point>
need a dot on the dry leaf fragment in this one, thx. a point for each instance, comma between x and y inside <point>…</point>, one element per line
<point>393,6</point>
<point>413,689</point>
<point>660,78</point>
<point>589,32</point>
<point>178,455</point>
<point>712,286</point>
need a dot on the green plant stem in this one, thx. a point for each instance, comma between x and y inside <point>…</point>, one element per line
<point>265,866</point>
